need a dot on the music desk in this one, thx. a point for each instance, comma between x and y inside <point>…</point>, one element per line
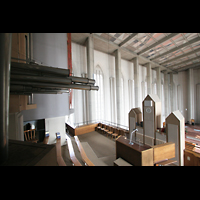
<point>138,155</point>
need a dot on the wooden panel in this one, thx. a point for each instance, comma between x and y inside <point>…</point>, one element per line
<point>163,151</point>
<point>14,104</point>
<point>19,46</point>
<point>18,103</point>
<point>15,46</point>
<point>29,154</point>
<point>31,106</point>
<point>85,129</point>
<point>138,155</point>
<point>191,158</point>
<point>147,156</point>
<point>23,102</point>
<point>70,129</point>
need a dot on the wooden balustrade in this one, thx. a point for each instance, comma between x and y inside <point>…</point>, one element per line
<point>82,152</point>
<point>72,154</point>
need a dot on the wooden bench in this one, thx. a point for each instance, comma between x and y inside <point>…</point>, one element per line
<point>106,129</point>
<point>99,126</point>
<point>115,132</point>
<point>110,132</point>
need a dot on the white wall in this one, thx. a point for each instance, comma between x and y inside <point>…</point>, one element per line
<point>197,95</point>
<point>128,74</point>
<point>54,125</point>
<point>107,64</point>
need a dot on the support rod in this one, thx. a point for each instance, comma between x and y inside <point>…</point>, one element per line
<point>5,57</point>
<point>21,84</point>
<point>41,68</point>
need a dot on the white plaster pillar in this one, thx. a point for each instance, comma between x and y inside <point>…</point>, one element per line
<point>158,84</point>
<point>90,74</point>
<point>190,94</point>
<point>171,92</point>
<point>166,88</point>
<point>149,78</point>
<point>118,84</point>
<point>137,82</point>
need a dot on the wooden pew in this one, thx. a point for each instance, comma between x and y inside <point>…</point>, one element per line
<point>82,152</point>
<point>115,132</point>
<point>106,130</point>
<point>98,127</point>
<point>110,132</point>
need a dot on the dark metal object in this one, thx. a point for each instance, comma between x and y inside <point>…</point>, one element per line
<point>5,56</point>
<point>34,78</point>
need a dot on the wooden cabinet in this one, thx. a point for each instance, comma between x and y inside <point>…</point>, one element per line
<point>138,155</point>
<point>19,103</point>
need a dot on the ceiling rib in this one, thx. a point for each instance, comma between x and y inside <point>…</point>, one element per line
<point>127,39</point>
<point>181,56</point>
<point>188,67</point>
<point>176,48</point>
<point>133,53</point>
<point>158,42</point>
<point>185,61</point>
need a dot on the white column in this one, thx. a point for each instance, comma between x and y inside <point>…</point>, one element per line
<point>84,100</point>
<point>171,92</point>
<point>158,84</point>
<point>137,82</point>
<point>149,78</point>
<point>90,74</point>
<point>190,94</point>
<point>118,84</point>
<point>166,88</point>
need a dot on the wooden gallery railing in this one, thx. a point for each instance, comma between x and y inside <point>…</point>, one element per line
<point>72,154</point>
<point>85,159</point>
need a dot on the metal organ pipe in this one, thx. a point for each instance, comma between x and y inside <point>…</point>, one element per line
<point>25,76</point>
<point>5,57</point>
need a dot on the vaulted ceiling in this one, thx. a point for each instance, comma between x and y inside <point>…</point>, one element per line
<point>170,51</point>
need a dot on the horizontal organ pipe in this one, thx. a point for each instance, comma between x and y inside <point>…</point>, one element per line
<point>41,68</point>
<point>44,91</point>
<point>67,80</point>
<point>41,78</point>
<point>26,76</point>
<point>48,85</point>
